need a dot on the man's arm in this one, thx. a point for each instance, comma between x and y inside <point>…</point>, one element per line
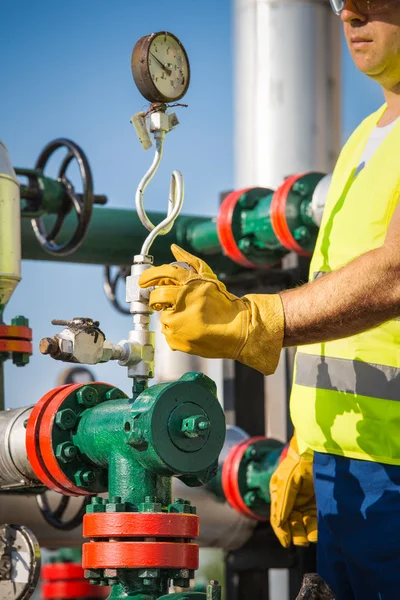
<point>357,297</point>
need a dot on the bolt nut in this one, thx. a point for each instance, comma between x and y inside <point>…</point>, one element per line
<point>140,319</point>
<point>87,395</point>
<point>251,452</point>
<point>251,498</point>
<point>66,452</point>
<point>300,187</point>
<point>195,426</point>
<point>48,346</point>
<point>20,320</point>
<point>20,359</point>
<point>66,418</point>
<point>113,394</point>
<point>301,234</point>
<point>149,573</point>
<point>84,477</point>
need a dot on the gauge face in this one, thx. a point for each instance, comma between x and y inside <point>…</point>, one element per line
<point>160,67</point>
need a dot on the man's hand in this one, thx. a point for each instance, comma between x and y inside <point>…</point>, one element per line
<point>293,505</point>
<point>199,315</point>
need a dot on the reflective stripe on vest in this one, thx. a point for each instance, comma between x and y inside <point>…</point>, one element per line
<point>350,376</point>
<point>345,395</point>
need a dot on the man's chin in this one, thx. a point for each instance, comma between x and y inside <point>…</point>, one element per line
<point>367,65</point>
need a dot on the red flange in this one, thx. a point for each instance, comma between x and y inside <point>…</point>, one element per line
<point>224,230</point>
<point>140,555</point>
<point>66,581</point>
<point>278,216</point>
<point>46,443</point>
<point>58,571</point>
<point>116,525</point>
<point>70,590</point>
<point>16,338</point>
<point>230,478</point>
<point>34,439</point>
<point>15,346</point>
<point>19,332</point>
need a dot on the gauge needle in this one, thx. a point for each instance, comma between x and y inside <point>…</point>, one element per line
<point>168,71</point>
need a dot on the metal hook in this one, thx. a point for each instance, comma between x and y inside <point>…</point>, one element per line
<point>175,201</point>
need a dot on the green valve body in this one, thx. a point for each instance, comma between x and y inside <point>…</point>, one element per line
<point>102,441</point>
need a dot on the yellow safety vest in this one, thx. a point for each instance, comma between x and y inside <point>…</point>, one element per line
<point>346,393</point>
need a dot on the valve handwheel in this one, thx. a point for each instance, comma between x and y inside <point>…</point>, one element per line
<point>82,203</point>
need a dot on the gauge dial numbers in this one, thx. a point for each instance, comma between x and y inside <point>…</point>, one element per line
<point>160,67</point>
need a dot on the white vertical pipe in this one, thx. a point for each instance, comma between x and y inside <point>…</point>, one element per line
<point>287,89</point>
<point>287,121</point>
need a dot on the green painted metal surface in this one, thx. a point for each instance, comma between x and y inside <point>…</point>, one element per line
<point>50,192</point>
<point>255,472</point>
<point>254,475</point>
<point>140,444</point>
<point>298,215</point>
<point>116,235</point>
<point>252,229</point>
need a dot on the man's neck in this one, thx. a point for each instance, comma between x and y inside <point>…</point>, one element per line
<point>392,112</point>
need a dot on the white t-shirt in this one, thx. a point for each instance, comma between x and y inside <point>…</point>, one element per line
<point>375,140</point>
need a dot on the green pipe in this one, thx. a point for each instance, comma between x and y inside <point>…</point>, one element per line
<point>203,237</point>
<point>115,235</point>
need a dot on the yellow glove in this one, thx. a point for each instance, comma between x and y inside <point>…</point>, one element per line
<point>201,317</point>
<point>293,506</point>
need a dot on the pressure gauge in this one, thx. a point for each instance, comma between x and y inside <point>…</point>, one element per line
<point>160,67</point>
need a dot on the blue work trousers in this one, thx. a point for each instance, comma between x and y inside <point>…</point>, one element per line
<point>358,527</point>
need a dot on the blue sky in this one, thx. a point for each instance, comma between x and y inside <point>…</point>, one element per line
<point>66,72</point>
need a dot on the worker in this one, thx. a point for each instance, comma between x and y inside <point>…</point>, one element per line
<point>345,401</point>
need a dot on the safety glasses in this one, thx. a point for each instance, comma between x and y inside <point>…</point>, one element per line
<point>364,7</point>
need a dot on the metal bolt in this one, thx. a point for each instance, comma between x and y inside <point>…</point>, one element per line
<point>66,452</point>
<point>84,478</point>
<point>301,233</point>
<point>20,320</point>
<point>181,501</point>
<point>250,498</point>
<point>251,452</point>
<point>193,426</point>
<point>48,346</point>
<point>88,477</point>
<point>244,244</point>
<point>113,394</point>
<point>97,500</point>
<point>149,573</point>
<point>300,187</point>
<point>150,499</point>
<point>20,359</point>
<point>87,396</point>
<point>66,418</point>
